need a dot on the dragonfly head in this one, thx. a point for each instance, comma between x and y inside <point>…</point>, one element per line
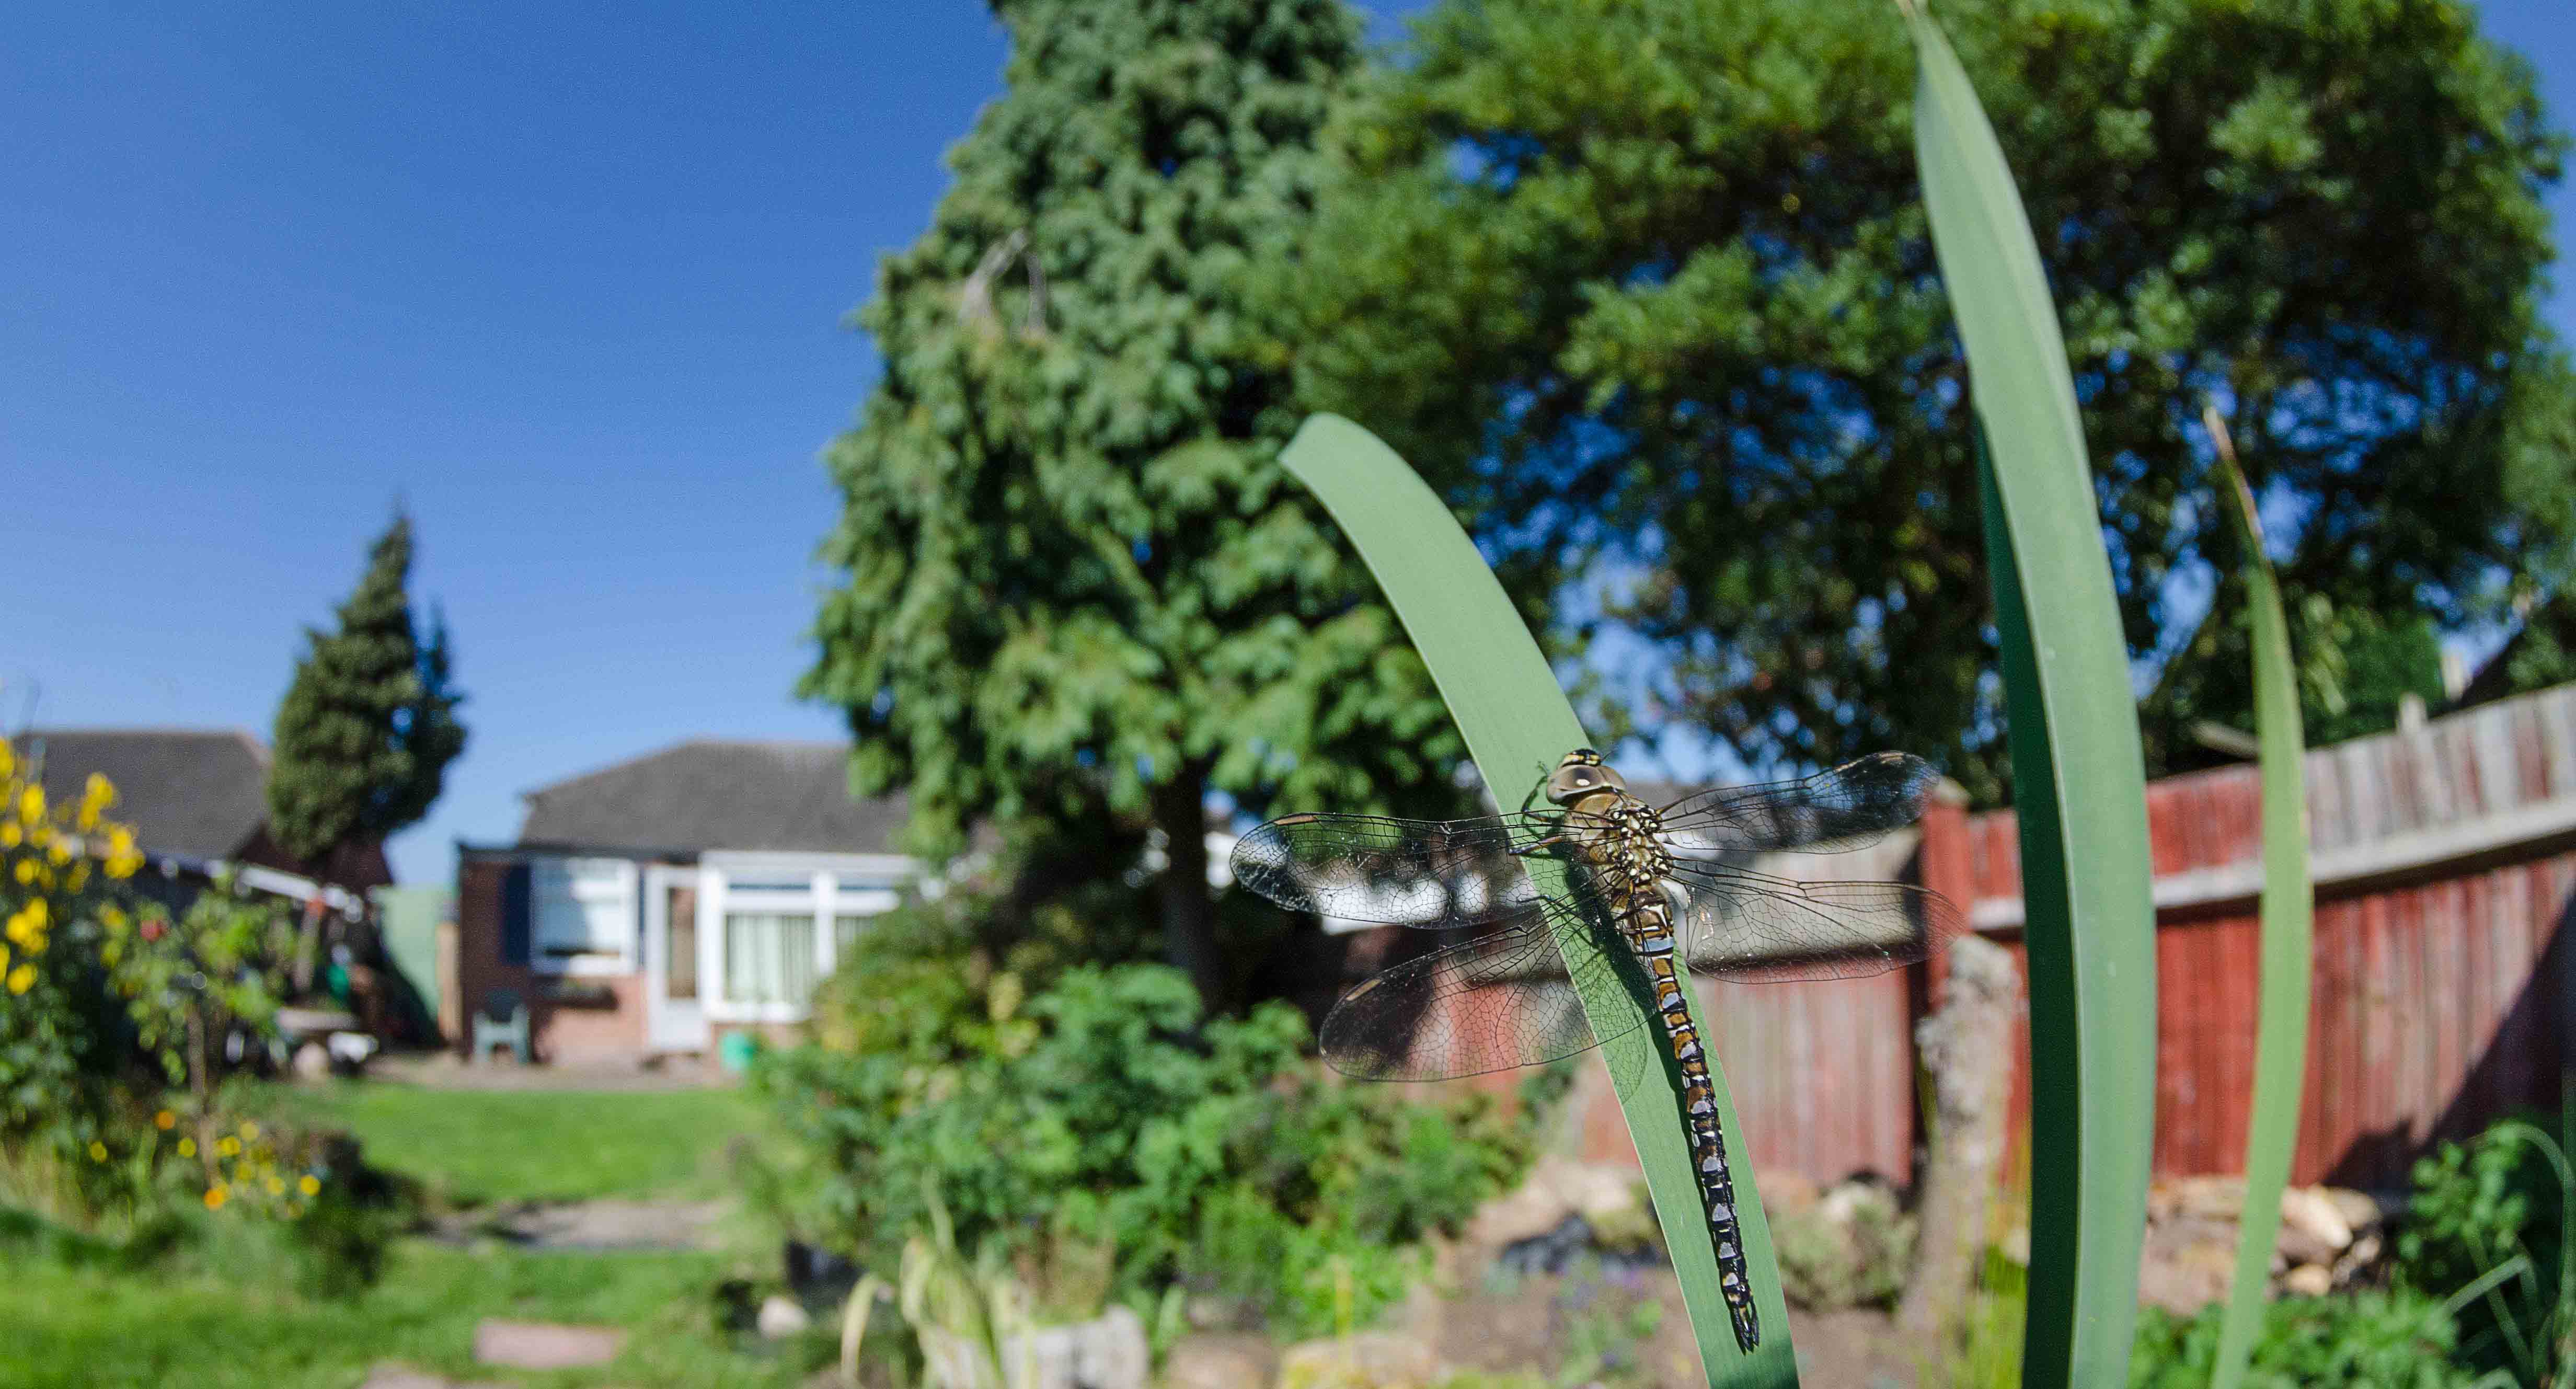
<point>1582,774</point>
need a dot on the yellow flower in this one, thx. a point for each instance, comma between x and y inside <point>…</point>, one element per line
<point>97,796</point>
<point>216,1196</point>
<point>97,1151</point>
<point>309,1184</point>
<point>22,978</point>
<point>115,919</point>
<point>164,1120</point>
<point>8,758</point>
<point>31,805</point>
<point>26,871</point>
<point>187,1147</point>
<point>249,1130</point>
<point>78,878</point>
<point>4,959</point>
<point>10,834</point>
<point>276,1187</point>
<point>228,1145</point>
<point>122,857</point>
<point>38,913</point>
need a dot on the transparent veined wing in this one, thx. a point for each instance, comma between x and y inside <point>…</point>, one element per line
<point>1756,928</point>
<point>1844,808</point>
<point>1500,999</point>
<point>1435,874</point>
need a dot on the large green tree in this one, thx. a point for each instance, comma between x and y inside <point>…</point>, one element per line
<point>1076,584</point>
<point>369,723</point>
<point>1646,288</point>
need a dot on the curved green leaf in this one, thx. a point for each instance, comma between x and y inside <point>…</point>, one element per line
<point>1517,724</point>
<point>2288,909</point>
<point>2079,782</point>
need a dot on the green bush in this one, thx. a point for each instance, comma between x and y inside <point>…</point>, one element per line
<point>1103,1113</point>
<point>2367,1340</point>
<point>2488,1229</point>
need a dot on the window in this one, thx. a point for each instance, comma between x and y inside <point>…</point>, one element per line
<point>769,957</point>
<point>582,914</point>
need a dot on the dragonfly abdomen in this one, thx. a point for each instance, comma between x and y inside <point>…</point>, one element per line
<point>1649,926</point>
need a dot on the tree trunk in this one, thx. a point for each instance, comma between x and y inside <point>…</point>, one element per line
<point>1189,912</point>
<point>1967,1047</point>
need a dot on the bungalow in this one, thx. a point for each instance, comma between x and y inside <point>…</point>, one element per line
<point>650,905</point>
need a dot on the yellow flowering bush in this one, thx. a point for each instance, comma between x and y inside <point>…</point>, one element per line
<point>103,998</point>
<point>62,1034</point>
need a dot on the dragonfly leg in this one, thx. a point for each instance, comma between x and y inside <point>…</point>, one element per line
<point>1551,841</point>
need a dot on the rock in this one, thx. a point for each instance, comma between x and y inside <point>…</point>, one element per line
<point>2308,1280</point>
<point>1370,1360</point>
<point>393,1376</point>
<point>1556,1188</point>
<point>312,1062</point>
<point>1208,1312</point>
<point>2314,1216</point>
<point>2359,1209</point>
<point>1107,1352</point>
<point>1218,1362</point>
<point>532,1345</point>
<point>781,1317</point>
<point>2363,1253</point>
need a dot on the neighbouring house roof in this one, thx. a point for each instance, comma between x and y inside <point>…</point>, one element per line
<point>711,794</point>
<point>195,793</point>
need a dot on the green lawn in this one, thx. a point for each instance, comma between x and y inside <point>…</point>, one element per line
<point>193,1329</point>
<point>220,1311</point>
<point>536,1145</point>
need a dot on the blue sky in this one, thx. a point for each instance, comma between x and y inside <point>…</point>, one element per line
<point>568,280</point>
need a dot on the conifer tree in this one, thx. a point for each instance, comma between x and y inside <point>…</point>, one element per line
<point>368,727</point>
<point>1077,583</point>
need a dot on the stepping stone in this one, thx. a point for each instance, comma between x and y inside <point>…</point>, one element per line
<point>537,1345</point>
<point>391,1375</point>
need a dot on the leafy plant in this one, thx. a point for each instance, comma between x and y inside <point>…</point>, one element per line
<point>2364,1340</point>
<point>2490,1225</point>
<point>1104,1119</point>
<point>1850,1250</point>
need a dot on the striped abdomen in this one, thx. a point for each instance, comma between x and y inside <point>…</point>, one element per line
<point>1648,922</point>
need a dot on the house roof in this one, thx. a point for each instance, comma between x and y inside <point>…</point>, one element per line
<point>191,792</point>
<point>712,794</point>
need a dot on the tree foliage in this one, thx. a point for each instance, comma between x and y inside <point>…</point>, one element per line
<point>1076,584</point>
<point>1648,292</point>
<point>369,724</point>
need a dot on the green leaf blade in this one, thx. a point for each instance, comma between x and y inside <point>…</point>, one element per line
<point>1517,724</point>
<point>2288,911</point>
<point>2079,778</point>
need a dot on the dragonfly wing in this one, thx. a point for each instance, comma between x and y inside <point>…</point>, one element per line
<point>1844,808</point>
<point>1497,1000</point>
<point>1756,928</point>
<point>1435,874</point>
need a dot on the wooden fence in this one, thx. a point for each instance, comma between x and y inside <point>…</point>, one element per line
<point>2445,858</point>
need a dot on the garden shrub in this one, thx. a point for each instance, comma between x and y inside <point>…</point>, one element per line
<point>106,1002</point>
<point>1101,1110</point>
<point>2486,1228</point>
<point>2364,1340</point>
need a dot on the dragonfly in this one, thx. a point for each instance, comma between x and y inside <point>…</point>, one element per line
<point>1666,891</point>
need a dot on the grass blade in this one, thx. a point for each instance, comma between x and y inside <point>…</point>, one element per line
<point>2078,775</point>
<point>2289,910</point>
<point>1517,724</point>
